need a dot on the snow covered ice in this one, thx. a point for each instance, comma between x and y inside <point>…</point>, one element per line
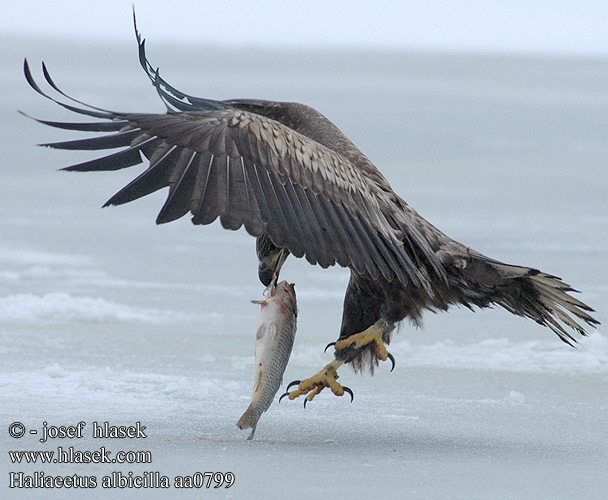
<point>106,317</point>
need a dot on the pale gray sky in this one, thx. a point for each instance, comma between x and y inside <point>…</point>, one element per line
<point>545,26</point>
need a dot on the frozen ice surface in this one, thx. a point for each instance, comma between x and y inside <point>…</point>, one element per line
<point>106,317</point>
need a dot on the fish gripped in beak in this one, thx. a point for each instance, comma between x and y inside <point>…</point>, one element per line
<point>271,265</point>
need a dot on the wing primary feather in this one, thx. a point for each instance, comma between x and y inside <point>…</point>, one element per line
<point>332,243</point>
<point>250,201</point>
<point>406,264</point>
<point>119,140</point>
<point>338,230</point>
<point>421,252</point>
<point>332,235</point>
<point>406,253</point>
<point>221,191</point>
<point>112,126</point>
<point>365,236</point>
<point>404,259</point>
<point>205,214</point>
<point>312,247</point>
<point>297,240</point>
<point>200,184</point>
<point>315,246</point>
<point>213,199</point>
<point>276,218</point>
<point>254,220</point>
<point>116,161</point>
<point>179,99</point>
<point>359,257</point>
<point>167,98</point>
<point>271,198</point>
<point>28,76</point>
<point>255,190</point>
<point>154,178</point>
<point>228,180</point>
<point>47,77</point>
<point>162,153</point>
<point>172,125</point>
<point>239,208</point>
<point>389,257</point>
<point>314,225</point>
<point>180,194</point>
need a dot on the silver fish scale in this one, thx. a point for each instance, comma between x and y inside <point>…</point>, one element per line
<point>271,381</point>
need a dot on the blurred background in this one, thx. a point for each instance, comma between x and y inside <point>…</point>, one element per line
<point>538,26</point>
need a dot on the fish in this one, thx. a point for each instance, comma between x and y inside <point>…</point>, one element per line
<point>273,344</point>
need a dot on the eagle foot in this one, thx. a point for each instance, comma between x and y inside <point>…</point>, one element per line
<point>373,335</point>
<point>326,377</point>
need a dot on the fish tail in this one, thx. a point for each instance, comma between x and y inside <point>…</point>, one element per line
<point>249,419</point>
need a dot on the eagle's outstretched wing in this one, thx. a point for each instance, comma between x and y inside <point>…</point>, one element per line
<point>249,169</point>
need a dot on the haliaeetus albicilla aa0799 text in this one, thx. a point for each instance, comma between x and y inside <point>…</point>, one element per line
<point>301,187</point>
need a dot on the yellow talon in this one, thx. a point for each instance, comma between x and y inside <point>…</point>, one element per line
<point>372,334</point>
<point>326,377</point>
<point>313,393</point>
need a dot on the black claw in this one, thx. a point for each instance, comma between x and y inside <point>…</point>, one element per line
<point>328,346</point>
<point>350,393</point>
<point>305,401</point>
<point>291,384</point>
<point>390,356</point>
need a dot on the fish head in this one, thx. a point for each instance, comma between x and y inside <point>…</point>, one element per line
<point>286,293</point>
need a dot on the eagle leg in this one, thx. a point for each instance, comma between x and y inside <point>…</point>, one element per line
<point>326,377</point>
<point>373,335</point>
<point>345,350</point>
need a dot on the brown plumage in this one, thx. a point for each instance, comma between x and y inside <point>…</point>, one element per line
<point>294,181</point>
